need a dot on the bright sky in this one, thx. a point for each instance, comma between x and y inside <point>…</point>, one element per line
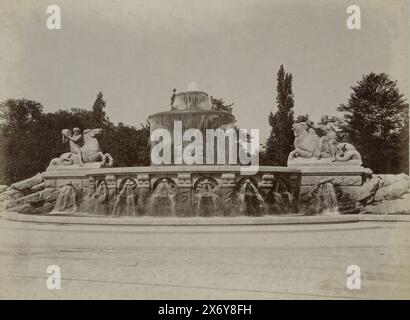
<point>136,52</point>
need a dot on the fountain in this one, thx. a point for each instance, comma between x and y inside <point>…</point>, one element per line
<point>323,176</point>
<point>190,110</point>
<point>179,188</point>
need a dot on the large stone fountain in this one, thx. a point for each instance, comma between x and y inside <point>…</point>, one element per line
<point>324,175</point>
<point>95,188</point>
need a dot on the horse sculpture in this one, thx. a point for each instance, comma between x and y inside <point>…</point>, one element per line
<point>90,152</point>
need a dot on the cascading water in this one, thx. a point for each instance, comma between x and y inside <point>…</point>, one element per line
<point>325,198</point>
<point>250,202</point>
<point>280,199</point>
<point>125,204</point>
<point>163,199</point>
<point>66,200</point>
<point>98,200</point>
<point>207,202</point>
<point>328,199</point>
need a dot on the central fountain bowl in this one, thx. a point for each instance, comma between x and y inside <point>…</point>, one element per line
<point>194,110</point>
<point>192,100</point>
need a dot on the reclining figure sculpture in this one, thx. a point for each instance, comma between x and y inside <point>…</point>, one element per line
<point>326,148</point>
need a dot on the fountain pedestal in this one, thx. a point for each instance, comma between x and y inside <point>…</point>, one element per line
<point>227,192</point>
<point>183,202</point>
<point>202,185</point>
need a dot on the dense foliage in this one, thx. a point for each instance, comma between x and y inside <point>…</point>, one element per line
<point>376,121</point>
<point>280,140</point>
<point>30,138</point>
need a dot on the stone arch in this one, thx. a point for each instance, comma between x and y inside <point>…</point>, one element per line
<point>97,202</point>
<point>239,182</point>
<point>122,181</point>
<point>100,181</point>
<point>206,197</point>
<point>161,179</point>
<point>248,199</point>
<point>280,184</point>
<point>212,181</point>
<point>279,197</point>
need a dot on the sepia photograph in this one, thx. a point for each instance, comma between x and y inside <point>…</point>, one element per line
<point>204,155</point>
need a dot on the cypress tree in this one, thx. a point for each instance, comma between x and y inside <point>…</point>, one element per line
<point>280,141</point>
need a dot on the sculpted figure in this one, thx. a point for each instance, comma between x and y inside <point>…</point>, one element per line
<point>346,151</point>
<point>81,153</point>
<point>75,141</point>
<point>173,99</point>
<point>328,142</point>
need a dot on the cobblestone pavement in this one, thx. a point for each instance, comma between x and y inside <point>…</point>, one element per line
<point>205,262</point>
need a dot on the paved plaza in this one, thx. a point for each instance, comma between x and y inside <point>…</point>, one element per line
<point>205,262</point>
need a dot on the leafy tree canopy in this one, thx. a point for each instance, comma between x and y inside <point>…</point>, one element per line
<point>376,121</point>
<point>30,138</point>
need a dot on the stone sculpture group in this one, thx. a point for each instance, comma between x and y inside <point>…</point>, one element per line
<point>326,148</point>
<point>84,149</point>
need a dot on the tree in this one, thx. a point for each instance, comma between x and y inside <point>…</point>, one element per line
<point>219,104</point>
<point>98,116</point>
<point>302,118</point>
<point>376,122</point>
<point>49,131</point>
<point>30,138</point>
<point>3,157</point>
<point>280,141</point>
<point>21,150</point>
<point>143,146</point>
<point>129,146</point>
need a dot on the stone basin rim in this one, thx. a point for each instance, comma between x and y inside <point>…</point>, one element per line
<point>195,112</point>
<point>203,221</point>
<point>190,92</point>
<point>180,221</point>
<point>170,169</point>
